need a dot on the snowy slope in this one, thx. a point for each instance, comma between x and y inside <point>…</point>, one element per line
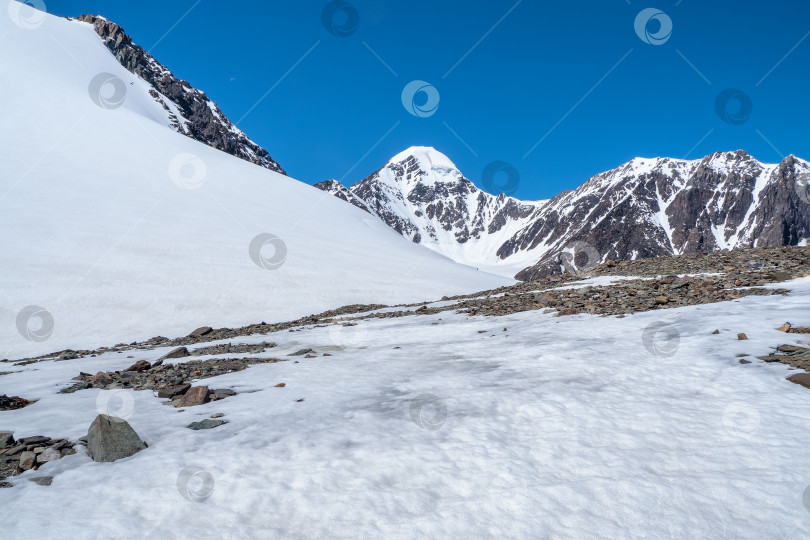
<point>557,428</point>
<point>121,228</point>
<point>644,208</point>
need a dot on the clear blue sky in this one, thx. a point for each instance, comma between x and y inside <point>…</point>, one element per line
<point>519,85</point>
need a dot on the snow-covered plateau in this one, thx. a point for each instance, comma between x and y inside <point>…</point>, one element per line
<point>449,426</point>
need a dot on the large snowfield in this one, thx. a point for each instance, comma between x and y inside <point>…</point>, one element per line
<point>122,229</point>
<point>558,427</point>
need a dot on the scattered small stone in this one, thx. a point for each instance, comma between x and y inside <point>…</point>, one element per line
<point>715,332</point>
<point>299,400</point>
<point>326,354</point>
<point>281,385</point>
<point>179,352</point>
<point>207,423</point>
<point>744,361</point>
<point>800,378</point>
<point>301,352</point>
<point>27,460</point>
<point>36,439</point>
<point>172,391</point>
<point>217,415</point>
<point>10,403</point>
<point>48,454</point>
<point>742,337</point>
<point>6,439</point>
<point>42,480</point>
<point>785,327</point>
<point>789,348</point>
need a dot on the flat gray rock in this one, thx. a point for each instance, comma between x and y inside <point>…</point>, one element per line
<point>208,423</point>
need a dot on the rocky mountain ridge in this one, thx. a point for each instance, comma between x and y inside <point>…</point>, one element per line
<point>190,111</point>
<point>644,208</point>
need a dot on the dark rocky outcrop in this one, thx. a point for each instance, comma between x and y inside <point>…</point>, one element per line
<point>342,192</point>
<point>201,118</point>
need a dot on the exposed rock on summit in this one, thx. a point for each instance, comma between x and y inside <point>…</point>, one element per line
<point>190,111</point>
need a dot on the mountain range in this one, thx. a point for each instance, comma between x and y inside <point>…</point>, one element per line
<point>643,208</point>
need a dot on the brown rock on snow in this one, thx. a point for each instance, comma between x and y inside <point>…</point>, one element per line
<point>203,330</point>
<point>140,365</point>
<point>800,378</point>
<point>196,395</point>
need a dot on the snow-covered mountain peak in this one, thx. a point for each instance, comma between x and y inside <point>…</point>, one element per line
<point>643,208</point>
<point>421,165</point>
<point>427,156</point>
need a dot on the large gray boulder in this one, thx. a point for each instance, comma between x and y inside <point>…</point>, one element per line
<point>110,438</point>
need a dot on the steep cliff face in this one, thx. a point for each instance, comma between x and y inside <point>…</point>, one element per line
<point>644,208</point>
<point>190,111</point>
